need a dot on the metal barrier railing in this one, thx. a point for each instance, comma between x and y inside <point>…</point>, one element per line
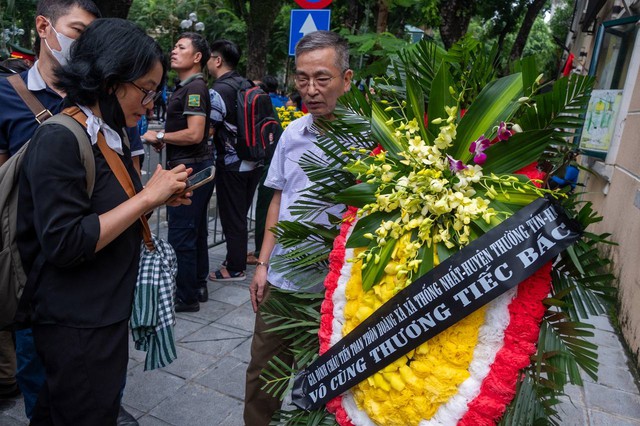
<point>158,219</point>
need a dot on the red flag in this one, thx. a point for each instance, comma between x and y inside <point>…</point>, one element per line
<point>569,65</point>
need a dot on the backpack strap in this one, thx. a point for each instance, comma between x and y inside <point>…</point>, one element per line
<point>117,167</point>
<point>42,114</point>
<point>239,83</point>
<point>86,151</point>
<point>22,318</point>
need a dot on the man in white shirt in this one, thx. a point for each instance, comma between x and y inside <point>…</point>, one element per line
<point>322,76</point>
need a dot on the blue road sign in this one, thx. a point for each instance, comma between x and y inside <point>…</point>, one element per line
<point>305,21</point>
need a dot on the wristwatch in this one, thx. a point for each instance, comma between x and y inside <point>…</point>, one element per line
<point>160,136</point>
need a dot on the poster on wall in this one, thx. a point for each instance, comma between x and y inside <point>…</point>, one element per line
<point>600,121</point>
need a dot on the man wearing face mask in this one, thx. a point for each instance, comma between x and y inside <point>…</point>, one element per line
<point>58,24</point>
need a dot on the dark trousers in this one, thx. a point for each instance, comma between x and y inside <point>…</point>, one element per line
<point>265,194</point>
<point>31,374</point>
<point>7,362</point>
<point>188,232</point>
<point>235,194</point>
<point>259,406</point>
<point>85,369</point>
<point>161,109</point>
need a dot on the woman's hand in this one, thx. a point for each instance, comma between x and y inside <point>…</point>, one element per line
<point>166,183</point>
<point>179,200</point>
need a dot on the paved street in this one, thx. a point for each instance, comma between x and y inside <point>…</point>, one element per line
<point>205,385</point>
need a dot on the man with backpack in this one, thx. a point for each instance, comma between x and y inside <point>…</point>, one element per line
<point>58,23</point>
<point>245,136</point>
<point>8,384</point>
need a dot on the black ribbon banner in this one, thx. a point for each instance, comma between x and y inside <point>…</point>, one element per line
<point>469,279</point>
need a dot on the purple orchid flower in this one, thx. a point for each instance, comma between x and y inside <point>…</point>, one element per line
<point>455,165</point>
<point>503,132</point>
<point>477,149</point>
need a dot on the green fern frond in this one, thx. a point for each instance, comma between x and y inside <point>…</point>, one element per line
<point>572,352</point>
<point>532,405</point>
<point>303,418</point>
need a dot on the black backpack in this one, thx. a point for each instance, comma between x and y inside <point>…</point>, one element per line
<point>258,130</point>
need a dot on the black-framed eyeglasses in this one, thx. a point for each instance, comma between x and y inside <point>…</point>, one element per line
<point>302,81</point>
<point>149,95</point>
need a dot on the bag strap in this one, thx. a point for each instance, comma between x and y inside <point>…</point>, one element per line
<point>36,107</point>
<point>118,168</point>
<point>86,151</point>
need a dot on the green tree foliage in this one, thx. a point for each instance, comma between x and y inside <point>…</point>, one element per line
<point>228,19</point>
<point>491,21</point>
<point>22,15</point>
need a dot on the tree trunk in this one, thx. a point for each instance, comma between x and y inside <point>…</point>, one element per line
<point>523,34</point>
<point>383,16</point>
<point>351,20</point>
<point>262,15</point>
<point>455,17</point>
<point>114,8</point>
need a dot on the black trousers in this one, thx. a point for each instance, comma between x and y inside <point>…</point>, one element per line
<point>235,194</point>
<point>188,233</point>
<point>265,194</point>
<point>85,369</point>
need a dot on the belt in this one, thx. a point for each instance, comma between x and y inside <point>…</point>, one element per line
<point>174,163</point>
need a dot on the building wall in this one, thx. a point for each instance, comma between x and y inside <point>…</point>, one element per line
<point>615,193</point>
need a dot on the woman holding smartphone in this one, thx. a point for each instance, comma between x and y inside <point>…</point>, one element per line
<point>84,250</point>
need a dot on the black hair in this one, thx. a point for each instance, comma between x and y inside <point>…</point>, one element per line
<point>199,45</point>
<point>109,52</point>
<point>16,65</point>
<point>296,99</point>
<point>54,9</point>
<point>228,50</point>
<point>270,83</point>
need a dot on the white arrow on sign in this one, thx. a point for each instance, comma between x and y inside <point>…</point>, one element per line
<point>309,26</point>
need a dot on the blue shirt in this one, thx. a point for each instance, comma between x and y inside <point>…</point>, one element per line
<point>17,122</point>
<point>277,100</point>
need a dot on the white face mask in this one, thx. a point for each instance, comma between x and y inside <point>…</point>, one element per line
<point>65,42</point>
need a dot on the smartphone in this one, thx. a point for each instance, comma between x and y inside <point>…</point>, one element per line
<point>202,177</point>
<point>196,181</point>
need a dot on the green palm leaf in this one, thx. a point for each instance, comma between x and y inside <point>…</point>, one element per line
<point>559,107</point>
<point>497,102</point>
<point>571,351</point>
<point>440,98</point>
<point>383,131</point>
<point>295,316</point>
<point>308,247</point>
<point>520,150</point>
<point>303,418</point>
<point>533,404</point>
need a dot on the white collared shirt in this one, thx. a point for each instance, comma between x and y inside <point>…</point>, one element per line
<point>285,174</point>
<point>35,81</point>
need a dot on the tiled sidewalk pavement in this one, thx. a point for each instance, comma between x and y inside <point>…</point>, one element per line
<point>205,385</point>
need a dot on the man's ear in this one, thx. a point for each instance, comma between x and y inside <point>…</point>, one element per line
<point>198,57</point>
<point>41,26</point>
<point>348,75</point>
